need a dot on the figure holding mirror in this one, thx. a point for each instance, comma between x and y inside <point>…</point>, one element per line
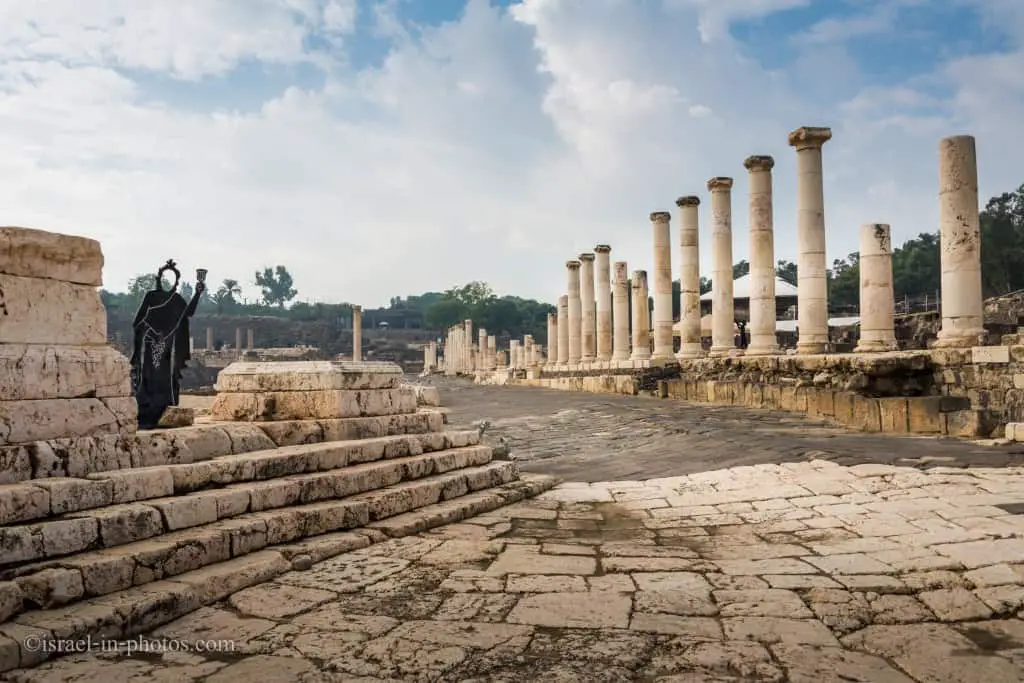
<point>161,345</point>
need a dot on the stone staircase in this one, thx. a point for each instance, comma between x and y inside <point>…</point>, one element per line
<point>109,536</point>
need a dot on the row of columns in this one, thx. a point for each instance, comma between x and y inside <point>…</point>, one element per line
<point>250,339</point>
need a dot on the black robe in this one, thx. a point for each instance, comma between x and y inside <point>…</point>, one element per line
<point>161,351</point>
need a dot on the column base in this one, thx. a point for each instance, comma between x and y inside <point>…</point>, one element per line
<point>762,351</point>
<point>875,346</point>
<point>640,358</point>
<point>811,348</point>
<point>664,358</point>
<point>959,339</point>
<point>690,351</point>
<point>737,353</point>
<point>604,358</point>
<point>721,351</point>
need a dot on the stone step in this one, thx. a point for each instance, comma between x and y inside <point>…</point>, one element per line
<point>118,525</point>
<point>137,610</point>
<point>77,457</point>
<point>57,496</point>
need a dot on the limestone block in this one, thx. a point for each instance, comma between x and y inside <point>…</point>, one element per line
<point>154,448</point>
<point>321,404</point>
<point>52,587</point>
<point>77,457</point>
<point>23,502</point>
<point>793,399</point>
<point>176,417</point>
<point>71,494</point>
<point>141,483</point>
<point>317,375</point>
<point>427,396</point>
<point>821,403</point>
<point>893,415</point>
<point>25,421</point>
<point>15,463</point>
<point>867,413</point>
<point>924,414</point>
<point>37,253</point>
<point>1015,431</point>
<point>990,354</point>
<point>246,438</point>
<point>38,311</point>
<point>843,407</point>
<point>10,599</point>
<point>204,441</point>
<point>967,424</point>
<point>62,372</point>
<point>294,432</point>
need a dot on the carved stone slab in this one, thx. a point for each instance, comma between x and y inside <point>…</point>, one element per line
<point>308,376</point>
<point>40,254</point>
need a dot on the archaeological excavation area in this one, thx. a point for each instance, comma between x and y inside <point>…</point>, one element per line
<point>530,513</point>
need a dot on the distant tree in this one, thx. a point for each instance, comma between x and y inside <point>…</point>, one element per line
<point>740,269</point>
<point>786,271</point>
<point>225,298</point>
<point>276,284</point>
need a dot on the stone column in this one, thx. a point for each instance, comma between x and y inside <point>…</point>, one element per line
<point>481,344</point>
<point>603,296</point>
<point>209,339</point>
<point>588,334</point>
<point>191,345</point>
<point>529,352</point>
<point>357,333</point>
<point>689,279</point>
<point>552,339</point>
<point>662,285</point>
<point>563,329</point>
<point>238,339</point>
<point>250,342</point>
<point>620,312</point>
<point>492,352</point>
<point>426,357</point>
<point>723,320</point>
<point>960,244</point>
<point>641,317</point>
<point>513,354</point>
<point>812,291</point>
<point>467,363</point>
<point>877,331</point>
<point>575,311</point>
<point>762,258</point>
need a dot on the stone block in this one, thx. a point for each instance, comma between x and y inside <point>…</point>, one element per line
<point>893,414</point>
<point>246,377</point>
<point>821,403</point>
<point>968,424</point>
<point>924,414</point>
<point>52,587</point>
<point>55,418</point>
<point>204,441</point>
<point>299,405</point>
<point>138,484</point>
<point>793,399</point>
<point>867,414</point>
<point>1015,431</point>
<point>10,600</point>
<point>71,494</point>
<point>772,397</point>
<point>990,354</point>
<point>23,502</point>
<point>15,463</point>
<point>175,417</point>
<point>28,252</point>
<point>78,457</point>
<point>42,311</point>
<point>843,407</point>
<point>62,372</point>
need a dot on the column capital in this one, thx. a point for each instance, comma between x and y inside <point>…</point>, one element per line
<point>572,265</point>
<point>602,249</point>
<point>719,183</point>
<point>661,217</point>
<point>586,257</point>
<point>690,200</point>
<point>759,163</point>
<point>808,137</point>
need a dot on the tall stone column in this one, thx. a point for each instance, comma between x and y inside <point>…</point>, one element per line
<point>563,329</point>
<point>620,312</point>
<point>877,330</point>
<point>812,291</point>
<point>530,351</point>
<point>209,339</point>
<point>641,317</point>
<point>238,339</point>
<point>357,333</point>
<point>662,285</point>
<point>689,279</point>
<point>723,341</point>
<point>482,346</point>
<point>588,334</point>
<point>575,311</point>
<point>552,339</point>
<point>492,352</point>
<point>250,342</point>
<point>960,244</point>
<point>603,295</point>
<point>467,363</point>
<point>762,258</point>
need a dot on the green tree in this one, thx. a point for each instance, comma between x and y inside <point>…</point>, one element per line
<point>225,298</point>
<point>276,284</point>
<point>740,269</point>
<point>786,270</point>
<point>844,283</point>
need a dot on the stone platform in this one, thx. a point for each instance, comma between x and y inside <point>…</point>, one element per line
<point>110,535</point>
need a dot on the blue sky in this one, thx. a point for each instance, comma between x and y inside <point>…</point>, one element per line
<point>382,148</point>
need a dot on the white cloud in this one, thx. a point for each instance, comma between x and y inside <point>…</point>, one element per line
<point>492,148</point>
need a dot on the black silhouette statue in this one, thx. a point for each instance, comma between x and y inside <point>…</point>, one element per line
<point>161,345</point>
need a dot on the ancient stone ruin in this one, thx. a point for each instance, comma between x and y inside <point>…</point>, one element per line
<point>107,531</point>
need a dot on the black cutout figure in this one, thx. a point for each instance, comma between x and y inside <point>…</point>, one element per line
<point>161,345</point>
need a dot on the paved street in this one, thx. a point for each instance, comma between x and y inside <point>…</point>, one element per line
<point>592,437</point>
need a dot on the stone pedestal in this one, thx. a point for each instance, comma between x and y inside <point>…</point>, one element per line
<point>603,296</point>
<point>357,333</point>
<point>641,317</point>
<point>588,315</point>
<point>310,390</point>
<point>762,258</point>
<point>552,339</point>
<point>877,331</point>
<point>620,312</point>
<point>662,285</point>
<point>812,291</point>
<point>563,329</point>
<point>58,377</point>
<point>723,341</point>
<point>689,279</point>
<point>960,244</point>
<point>575,312</point>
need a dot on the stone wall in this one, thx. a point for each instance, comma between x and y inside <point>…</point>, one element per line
<point>991,377</point>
